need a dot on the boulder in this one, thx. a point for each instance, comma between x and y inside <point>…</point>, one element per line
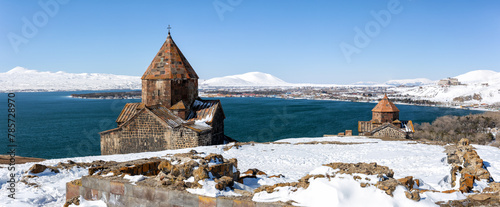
<point>38,168</point>
<point>407,182</point>
<point>466,183</point>
<point>186,169</point>
<point>464,142</point>
<point>73,201</point>
<point>493,187</point>
<point>388,185</point>
<point>454,170</point>
<point>254,172</point>
<point>165,166</point>
<point>363,168</point>
<point>223,169</point>
<point>214,158</point>
<point>413,195</point>
<point>223,182</point>
<point>200,173</point>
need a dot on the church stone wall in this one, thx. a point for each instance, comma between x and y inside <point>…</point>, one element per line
<point>364,126</point>
<point>389,132</point>
<point>184,90</point>
<point>169,92</point>
<point>186,138</point>
<point>383,117</point>
<point>218,128</point>
<point>146,133</point>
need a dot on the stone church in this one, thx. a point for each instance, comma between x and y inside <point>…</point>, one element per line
<point>170,115</point>
<point>385,122</point>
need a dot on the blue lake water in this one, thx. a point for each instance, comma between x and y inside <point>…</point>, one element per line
<point>53,125</point>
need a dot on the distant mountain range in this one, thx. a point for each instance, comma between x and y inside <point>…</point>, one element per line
<point>247,79</point>
<point>22,79</point>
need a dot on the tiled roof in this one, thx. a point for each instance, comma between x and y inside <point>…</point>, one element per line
<point>167,116</point>
<point>386,125</point>
<point>169,63</point>
<point>385,106</point>
<point>203,110</point>
<point>178,106</point>
<point>198,127</point>
<point>128,112</point>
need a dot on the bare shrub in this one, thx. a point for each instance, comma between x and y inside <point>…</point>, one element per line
<point>451,129</point>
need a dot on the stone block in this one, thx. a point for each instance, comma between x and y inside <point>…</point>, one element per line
<point>241,203</point>
<point>263,204</point>
<point>128,190</point>
<point>88,182</point>
<point>178,198</point>
<point>207,201</point>
<point>94,194</point>
<point>86,193</point>
<point>72,190</point>
<point>348,132</point>
<point>103,184</point>
<point>116,188</point>
<point>95,183</point>
<point>162,195</point>
<point>137,202</point>
<point>224,202</point>
<point>144,192</point>
<point>117,200</point>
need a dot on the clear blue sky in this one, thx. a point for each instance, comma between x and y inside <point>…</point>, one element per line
<point>298,41</point>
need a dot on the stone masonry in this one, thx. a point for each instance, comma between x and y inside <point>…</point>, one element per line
<point>170,115</point>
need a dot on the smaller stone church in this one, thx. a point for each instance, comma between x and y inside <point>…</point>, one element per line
<point>170,115</point>
<point>385,122</point>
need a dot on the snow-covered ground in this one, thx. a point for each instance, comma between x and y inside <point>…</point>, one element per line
<point>406,158</point>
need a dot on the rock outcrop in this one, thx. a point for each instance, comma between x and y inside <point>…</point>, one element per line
<point>38,168</point>
<point>465,160</point>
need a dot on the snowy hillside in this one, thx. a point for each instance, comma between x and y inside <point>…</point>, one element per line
<point>427,163</point>
<point>484,83</point>
<point>480,76</point>
<point>22,79</point>
<point>247,79</point>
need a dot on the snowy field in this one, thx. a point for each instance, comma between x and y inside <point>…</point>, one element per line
<point>406,158</point>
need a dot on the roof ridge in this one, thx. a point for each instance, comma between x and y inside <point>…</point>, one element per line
<point>169,63</point>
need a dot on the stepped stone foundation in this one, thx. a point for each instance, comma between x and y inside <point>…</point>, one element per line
<point>121,193</point>
<point>165,182</point>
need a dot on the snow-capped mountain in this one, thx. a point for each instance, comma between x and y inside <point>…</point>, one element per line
<point>480,76</point>
<point>247,79</point>
<point>484,83</point>
<point>22,79</point>
<point>410,82</point>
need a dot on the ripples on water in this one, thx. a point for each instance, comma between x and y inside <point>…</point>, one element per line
<point>53,125</point>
